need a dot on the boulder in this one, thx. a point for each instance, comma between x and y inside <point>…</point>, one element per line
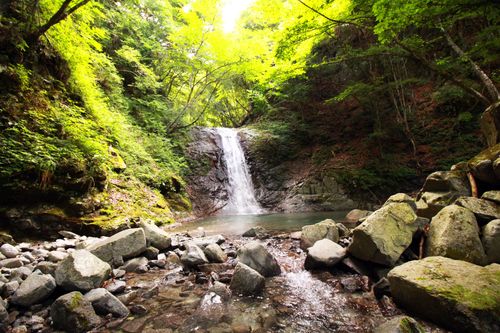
<point>482,166</point>
<point>255,255</point>
<point>56,256</point>
<point>246,280</point>
<point>440,189</point>
<point>324,254</point>
<point>454,233</point>
<point>400,324</point>
<point>491,241</point>
<point>356,214</point>
<point>193,256</point>
<point>257,232</point>
<point>455,294</point>
<point>47,267</point>
<point>137,265</point>
<point>156,236</point>
<point>402,197</point>
<point>34,289</point>
<point>312,233</point>
<point>483,209</point>
<point>493,196</point>
<point>9,251</point>
<point>385,234</point>
<point>204,241</point>
<point>123,245</point>
<point>214,253</point>
<point>73,313</point>
<point>151,253</point>
<point>82,270</point>
<point>104,302</point>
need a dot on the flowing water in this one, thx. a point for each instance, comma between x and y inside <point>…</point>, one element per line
<point>240,187</point>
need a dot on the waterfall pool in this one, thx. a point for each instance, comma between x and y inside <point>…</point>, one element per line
<point>278,222</point>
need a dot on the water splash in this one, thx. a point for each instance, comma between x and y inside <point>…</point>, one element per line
<point>240,187</point>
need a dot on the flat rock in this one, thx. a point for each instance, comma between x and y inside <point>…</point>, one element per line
<point>246,280</point>
<point>455,294</point>
<point>214,253</point>
<point>125,244</point>
<point>454,233</point>
<point>155,236</point>
<point>104,302</point>
<point>73,313</point>
<point>82,270</point>
<point>385,234</point>
<point>324,254</point>
<point>483,209</point>
<point>204,241</point>
<point>491,241</point>
<point>34,289</point>
<point>312,233</point>
<point>255,255</point>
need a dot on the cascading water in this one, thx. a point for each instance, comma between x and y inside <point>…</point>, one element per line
<point>240,187</point>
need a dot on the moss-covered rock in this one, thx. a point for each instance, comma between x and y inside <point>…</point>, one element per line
<point>483,165</point>
<point>455,294</point>
<point>400,324</point>
<point>454,233</point>
<point>73,313</point>
<point>385,234</point>
<point>312,233</point>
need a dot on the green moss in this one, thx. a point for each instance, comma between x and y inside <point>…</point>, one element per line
<point>76,300</point>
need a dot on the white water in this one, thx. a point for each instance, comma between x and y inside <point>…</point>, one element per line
<point>240,187</point>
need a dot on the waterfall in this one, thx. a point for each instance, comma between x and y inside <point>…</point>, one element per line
<point>240,187</point>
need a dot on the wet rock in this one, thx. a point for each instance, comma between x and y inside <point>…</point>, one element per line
<point>151,253</point>
<point>193,256</point>
<point>56,256</point>
<point>116,286</point>
<point>457,295</point>
<point>491,241</point>
<point>493,196</point>
<point>246,280</point>
<point>118,273</point>
<point>204,241</point>
<point>257,232</point>
<point>82,270</point>
<point>454,233</point>
<point>214,253</point>
<point>483,209</point>
<point>255,255</point>
<point>173,259</point>
<point>73,313</point>
<point>9,251</point>
<point>125,244</point>
<point>68,234</point>
<point>156,236</point>
<point>221,289</point>
<point>356,214</point>
<point>324,254</point>
<point>385,234</point>
<point>104,302</point>
<point>11,263</point>
<point>381,288</point>
<point>138,309</point>
<point>400,324</point>
<point>47,267</point>
<point>312,233</point>
<point>34,289</point>
<point>137,265</point>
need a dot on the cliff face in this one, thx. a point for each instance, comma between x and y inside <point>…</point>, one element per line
<point>291,186</point>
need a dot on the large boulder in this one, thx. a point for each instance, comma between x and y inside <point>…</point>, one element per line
<point>246,280</point>
<point>491,241</point>
<point>483,165</point>
<point>104,302</point>
<point>455,294</point>
<point>82,270</point>
<point>255,255</point>
<point>324,253</point>
<point>400,324</point>
<point>73,313</point>
<point>193,256</point>
<point>385,234</point>
<point>34,289</point>
<point>454,233</point>
<point>312,233</point>
<point>401,197</point>
<point>484,210</point>
<point>156,236</point>
<point>440,189</point>
<point>123,245</point>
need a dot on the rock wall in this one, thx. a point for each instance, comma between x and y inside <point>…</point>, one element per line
<point>283,188</point>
